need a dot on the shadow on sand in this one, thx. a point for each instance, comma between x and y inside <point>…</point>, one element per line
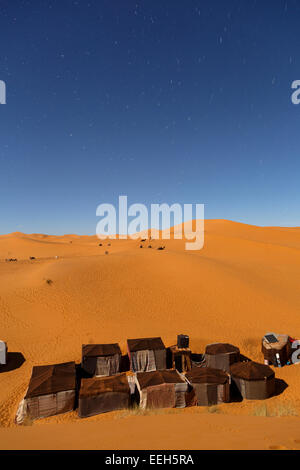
<point>14,361</point>
<point>280,386</point>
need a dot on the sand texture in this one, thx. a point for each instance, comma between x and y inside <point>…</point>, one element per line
<point>242,284</point>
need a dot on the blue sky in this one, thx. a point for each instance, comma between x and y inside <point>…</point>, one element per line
<point>162,101</point>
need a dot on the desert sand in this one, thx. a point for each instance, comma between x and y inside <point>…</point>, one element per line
<point>242,284</point>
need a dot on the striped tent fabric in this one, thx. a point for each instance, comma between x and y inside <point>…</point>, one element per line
<point>162,389</point>
<point>146,354</point>
<point>254,381</point>
<point>51,390</point>
<point>102,394</point>
<point>101,359</point>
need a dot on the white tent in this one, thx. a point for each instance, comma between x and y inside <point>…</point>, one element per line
<point>3,352</point>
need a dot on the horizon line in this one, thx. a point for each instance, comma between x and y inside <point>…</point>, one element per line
<point>17,232</point>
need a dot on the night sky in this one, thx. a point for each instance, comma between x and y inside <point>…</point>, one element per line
<point>160,100</point>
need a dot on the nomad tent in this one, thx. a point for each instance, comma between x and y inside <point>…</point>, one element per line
<point>101,359</point>
<point>163,389</point>
<point>276,349</point>
<point>221,355</point>
<point>212,386</point>
<point>3,353</point>
<point>51,391</point>
<point>101,394</point>
<point>146,354</point>
<point>254,381</point>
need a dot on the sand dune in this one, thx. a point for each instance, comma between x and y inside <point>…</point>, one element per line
<point>243,283</point>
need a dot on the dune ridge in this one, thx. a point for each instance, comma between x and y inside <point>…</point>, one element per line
<point>243,283</point>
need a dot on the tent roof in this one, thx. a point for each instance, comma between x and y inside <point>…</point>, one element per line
<point>251,371</point>
<point>98,385</point>
<point>207,375</point>
<point>141,344</point>
<point>221,348</point>
<point>158,377</point>
<point>94,350</point>
<point>52,379</point>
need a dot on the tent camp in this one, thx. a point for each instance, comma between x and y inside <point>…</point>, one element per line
<point>101,394</point>
<point>146,354</point>
<point>3,353</point>
<point>212,386</point>
<point>254,381</point>
<point>276,349</point>
<point>163,389</point>
<point>221,355</point>
<point>101,359</point>
<point>51,391</point>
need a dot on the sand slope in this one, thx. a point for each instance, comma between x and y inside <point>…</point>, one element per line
<point>243,283</point>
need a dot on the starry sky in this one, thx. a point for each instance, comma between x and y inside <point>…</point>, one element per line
<point>160,100</point>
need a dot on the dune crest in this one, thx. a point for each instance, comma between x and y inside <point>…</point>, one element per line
<point>243,283</point>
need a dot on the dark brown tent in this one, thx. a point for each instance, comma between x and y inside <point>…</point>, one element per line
<point>101,394</point>
<point>101,359</point>
<point>162,389</point>
<point>221,355</point>
<point>212,386</point>
<point>277,353</point>
<point>51,390</point>
<point>254,381</point>
<point>146,354</point>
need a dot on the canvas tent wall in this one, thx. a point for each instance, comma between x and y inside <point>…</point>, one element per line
<point>212,386</point>
<point>102,394</point>
<point>221,355</point>
<point>101,359</point>
<point>254,381</point>
<point>163,389</point>
<point>282,347</point>
<point>3,353</point>
<point>146,354</point>
<point>51,391</point>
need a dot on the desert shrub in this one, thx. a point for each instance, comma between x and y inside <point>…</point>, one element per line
<point>284,409</point>
<point>135,410</point>
<point>281,409</point>
<point>213,409</point>
<point>261,410</point>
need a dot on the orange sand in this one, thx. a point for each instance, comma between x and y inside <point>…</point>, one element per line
<point>243,283</point>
